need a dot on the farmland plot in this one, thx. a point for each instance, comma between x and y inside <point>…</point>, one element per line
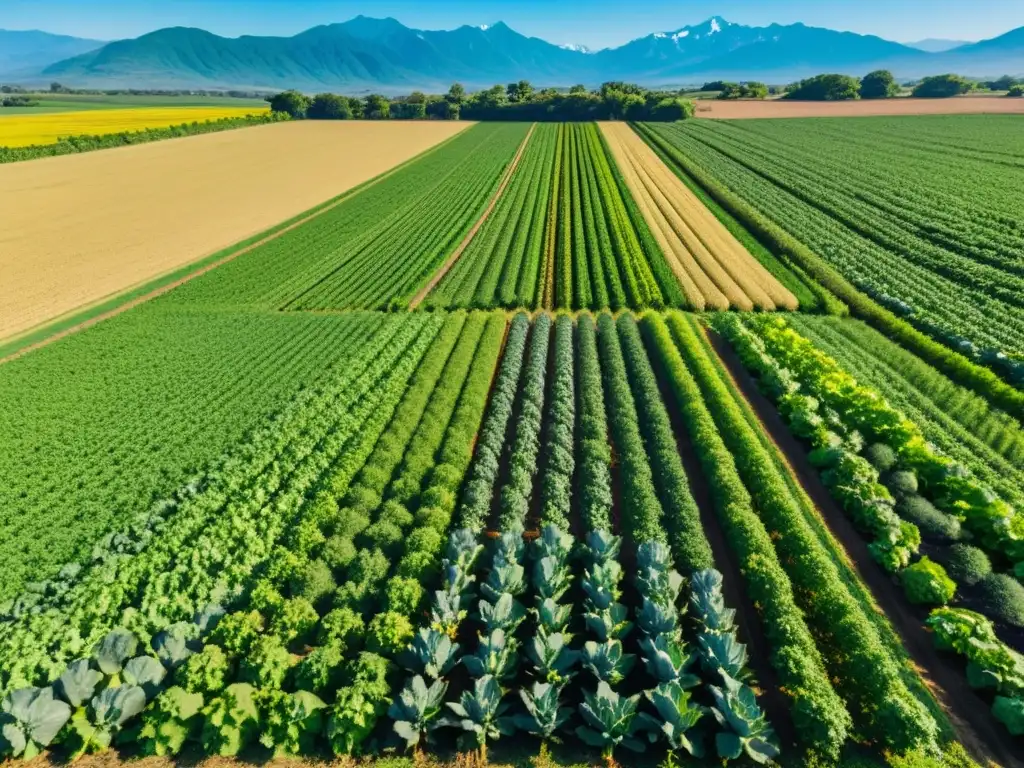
<point>83,228</point>
<point>501,266</point>
<point>920,510</point>
<point>324,538</point>
<point>716,272</point>
<point>95,428</point>
<point>946,257</point>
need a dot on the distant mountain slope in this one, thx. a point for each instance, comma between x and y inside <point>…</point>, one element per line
<point>934,45</point>
<point>383,54</point>
<point>32,50</point>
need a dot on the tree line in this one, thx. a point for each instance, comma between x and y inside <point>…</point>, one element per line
<point>880,84</point>
<point>515,101</point>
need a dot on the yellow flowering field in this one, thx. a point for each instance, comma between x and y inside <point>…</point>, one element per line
<point>25,130</point>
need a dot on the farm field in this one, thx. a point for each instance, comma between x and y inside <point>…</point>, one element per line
<point>946,257</point>
<point>450,467</point>
<point>714,269</point>
<point>49,103</point>
<point>25,130</point>
<point>781,108</point>
<point>85,227</point>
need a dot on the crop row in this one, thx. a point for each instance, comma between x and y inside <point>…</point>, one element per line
<point>501,266</point>
<point>98,426</point>
<point>953,307</point>
<point>893,484</point>
<point>201,545</point>
<point>960,423</point>
<point>522,537</point>
<point>352,255</point>
<point>715,270</point>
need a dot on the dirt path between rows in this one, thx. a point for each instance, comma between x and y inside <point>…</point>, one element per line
<point>198,272</point>
<point>457,253</point>
<point>969,714</point>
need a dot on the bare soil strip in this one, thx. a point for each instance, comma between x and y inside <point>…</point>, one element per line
<point>970,715</point>
<point>167,287</point>
<point>81,229</point>
<point>707,255</point>
<point>960,105</point>
<point>457,253</point>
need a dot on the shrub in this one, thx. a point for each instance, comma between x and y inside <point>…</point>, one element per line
<point>315,582</point>
<point>1010,712</point>
<point>396,514</point>
<point>967,565</point>
<point>926,583</point>
<point>339,552</point>
<point>902,483</point>
<point>1016,91</point>
<point>933,524</point>
<point>388,633</point>
<point>320,670</point>
<point>826,88</point>
<point>942,87</point>
<point>342,625</point>
<point>881,456</point>
<point>1002,599</point>
<point>384,535</point>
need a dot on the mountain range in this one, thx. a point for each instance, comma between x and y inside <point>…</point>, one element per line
<point>29,51</point>
<point>383,54</point>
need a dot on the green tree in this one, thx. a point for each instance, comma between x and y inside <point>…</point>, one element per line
<point>1016,91</point>
<point>329,106</point>
<point>879,84</point>
<point>825,88</point>
<point>456,94</point>
<point>577,89</point>
<point>1004,83</point>
<point>942,87</point>
<point>356,106</point>
<point>291,102</point>
<point>376,107</point>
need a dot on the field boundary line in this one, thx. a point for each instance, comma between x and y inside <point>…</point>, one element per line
<point>457,253</point>
<point>197,268</point>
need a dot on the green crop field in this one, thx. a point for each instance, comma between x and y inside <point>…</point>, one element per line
<point>445,474</point>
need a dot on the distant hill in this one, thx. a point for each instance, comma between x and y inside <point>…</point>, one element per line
<point>31,50</point>
<point>933,45</point>
<point>382,54</point>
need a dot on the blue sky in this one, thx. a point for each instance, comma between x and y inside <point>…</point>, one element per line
<point>596,23</point>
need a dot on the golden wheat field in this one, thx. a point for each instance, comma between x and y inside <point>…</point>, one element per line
<point>26,130</point>
<point>80,228</point>
<point>713,268</point>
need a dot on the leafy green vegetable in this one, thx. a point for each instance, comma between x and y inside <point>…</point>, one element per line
<point>231,721</point>
<point>481,713</point>
<point>553,660</point>
<point>204,672</point>
<point>145,672</point>
<point>495,655</point>
<point>170,722</point>
<point>77,684</point>
<point>431,653</point>
<point>30,719</point>
<point>290,722</point>
<point>612,721</point>
<point>667,661</point>
<point>607,661</point>
<point>748,729</point>
<point>544,716</point>
<point>114,650</point>
<point>416,710</point>
<point>94,729</point>
<point>678,717</point>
